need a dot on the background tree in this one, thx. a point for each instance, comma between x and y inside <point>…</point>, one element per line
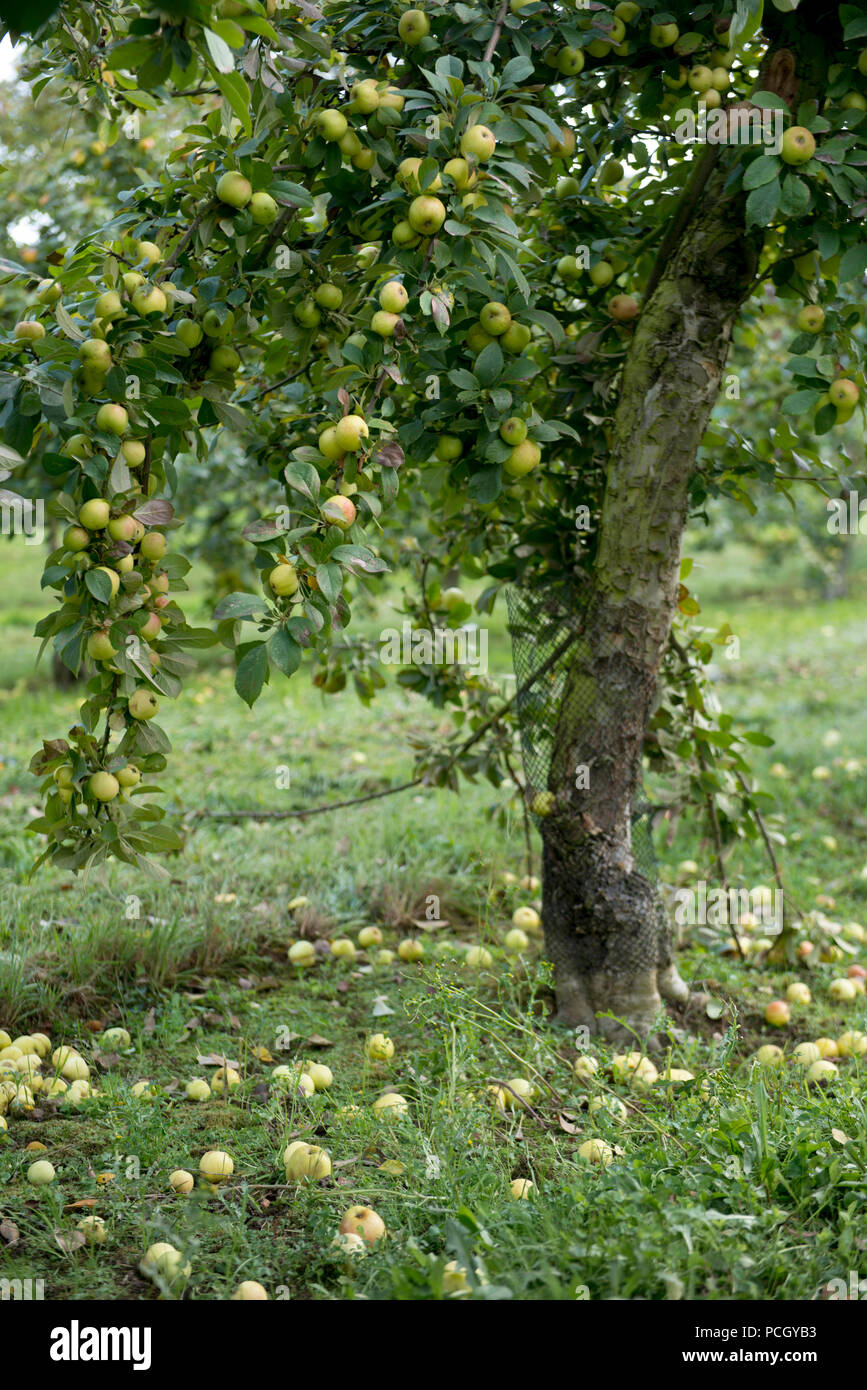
<point>466,262</point>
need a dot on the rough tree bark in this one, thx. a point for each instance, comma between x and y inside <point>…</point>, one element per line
<point>604,932</point>
<point>602,925</point>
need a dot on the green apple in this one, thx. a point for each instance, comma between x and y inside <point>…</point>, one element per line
<point>134,452</point>
<point>149,251</point>
<point>843,392</point>
<point>99,647</point>
<point>523,458</point>
<point>426,215</point>
<point>75,538</point>
<point>366,256</point>
<point>214,327</point>
<point>460,173</point>
<point>700,78</point>
<point>95,514</point>
<point>328,444</point>
<point>448,448</point>
<point>234,189</point>
<point>413,26</point>
<point>122,528</point>
<point>41,1172</point>
<point>188,332</point>
<point>384,324</point>
<point>78,446</point>
<point>328,296</point>
<point>103,787</point>
<point>811,318</point>
<point>29,330</point>
<point>627,10</point>
<point>263,209</point>
<point>664,35</point>
<point>307,314</point>
<point>350,432</point>
<point>495,318</point>
<point>152,627</point>
<point>128,776</point>
<point>149,300</point>
<point>798,145</point>
<point>143,704</point>
<point>283,580</point>
<point>566,187</point>
<point>479,142</point>
<point>721,79</point>
<point>570,61</point>
<point>365,96</point>
<point>224,359</point>
<point>404,234</point>
<point>332,125</point>
<point>48,292</point>
<point>109,305</point>
<point>568,268</point>
<point>854,101</point>
<point>477,338</point>
<point>513,431</point>
<point>131,280</point>
<point>393,297</point>
<point>112,419</point>
<point>364,159</point>
<point>601,274</point>
<point>516,337</point>
<point>153,545</point>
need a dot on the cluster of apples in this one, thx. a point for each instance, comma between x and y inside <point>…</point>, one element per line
<point>815,1057</point>
<point>304,953</point>
<point>30,1069</point>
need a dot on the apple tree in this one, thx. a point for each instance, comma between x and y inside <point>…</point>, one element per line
<point>481,263</point>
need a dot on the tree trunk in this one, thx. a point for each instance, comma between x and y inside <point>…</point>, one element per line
<point>604,928</point>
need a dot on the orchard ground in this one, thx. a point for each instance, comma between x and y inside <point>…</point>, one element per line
<point>743,1183</point>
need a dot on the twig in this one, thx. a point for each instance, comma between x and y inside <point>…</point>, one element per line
<point>495,36</point>
<point>170,263</point>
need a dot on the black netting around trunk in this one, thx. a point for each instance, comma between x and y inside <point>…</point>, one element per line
<point>545,625</point>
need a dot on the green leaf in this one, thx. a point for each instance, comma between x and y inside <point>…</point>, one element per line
<point>489,364</point>
<point>26,16</point>
<point>762,204</point>
<point>358,557</point>
<point>252,673</point>
<point>221,53</point>
<point>762,170</point>
<point>796,197</point>
<point>303,478</point>
<point>854,262</point>
<point>800,401</point>
<point>237,606</point>
<point>99,585</point>
<point>330,580</point>
<point>236,92</point>
<point>284,652</point>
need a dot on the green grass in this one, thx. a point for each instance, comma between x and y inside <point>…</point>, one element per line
<point>741,1184</point>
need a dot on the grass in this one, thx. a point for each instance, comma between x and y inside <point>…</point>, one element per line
<point>742,1183</point>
